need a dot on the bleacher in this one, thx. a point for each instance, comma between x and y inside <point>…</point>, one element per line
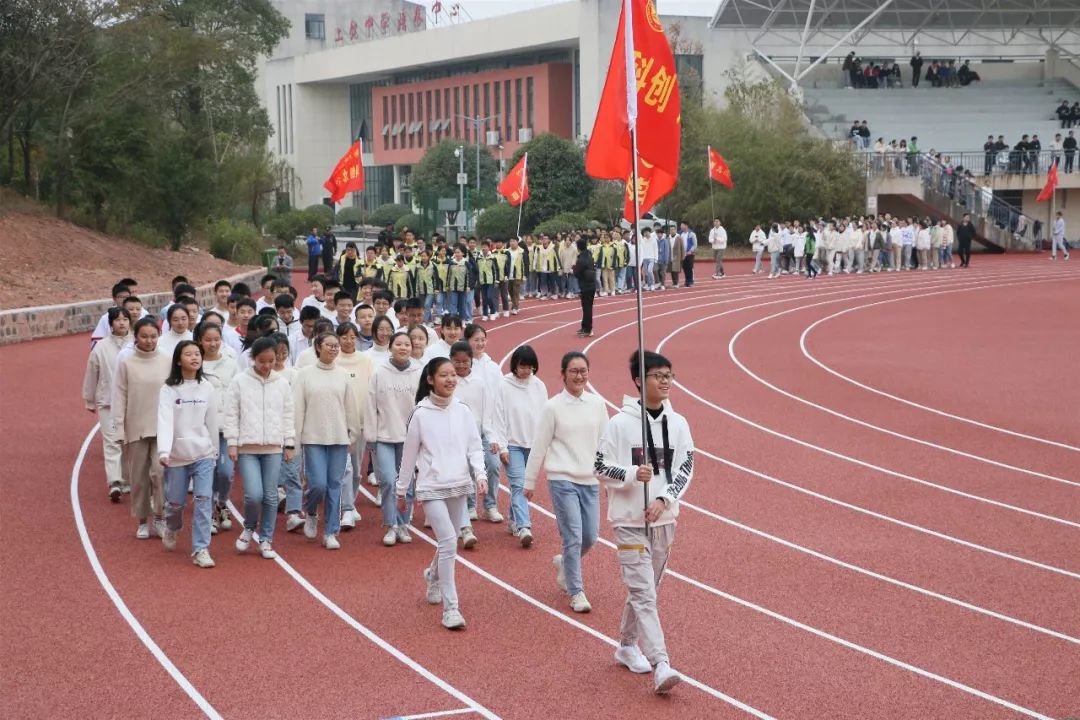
<point>946,119</point>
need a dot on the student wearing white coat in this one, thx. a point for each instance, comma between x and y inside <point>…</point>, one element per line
<point>718,241</point>
<point>97,394</point>
<point>521,399</point>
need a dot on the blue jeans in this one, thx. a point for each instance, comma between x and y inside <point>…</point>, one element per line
<point>577,511</point>
<point>223,473</point>
<point>774,263</point>
<point>431,302</point>
<point>492,465</point>
<point>201,475</point>
<point>647,267</point>
<point>515,476</point>
<point>549,283</point>
<point>260,475</point>
<point>387,465</point>
<point>290,479</point>
<point>324,465</point>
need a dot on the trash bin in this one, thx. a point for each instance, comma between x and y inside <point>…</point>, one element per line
<point>268,258</point>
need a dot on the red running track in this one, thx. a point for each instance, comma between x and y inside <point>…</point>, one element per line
<point>803,585</point>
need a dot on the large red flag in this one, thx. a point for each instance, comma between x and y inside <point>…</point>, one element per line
<point>641,92</point>
<point>348,175</point>
<point>719,171</point>
<point>515,186</point>
<point>1051,184</point>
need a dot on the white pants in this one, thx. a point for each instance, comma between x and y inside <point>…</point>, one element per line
<point>445,516</point>
<point>642,560</point>
<point>1055,244</point>
<point>111,448</point>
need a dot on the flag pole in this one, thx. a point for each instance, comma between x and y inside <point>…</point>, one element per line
<point>521,205</point>
<point>640,319</point>
<point>708,179</point>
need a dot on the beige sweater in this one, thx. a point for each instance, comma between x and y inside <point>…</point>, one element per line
<point>135,394</point>
<point>360,368</point>
<point>566,438</point>
<point>325,406</point>
<point>98,380</point>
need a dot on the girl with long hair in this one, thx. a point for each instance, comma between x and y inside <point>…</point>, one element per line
<point>97,394</point>
<point>220,369</point>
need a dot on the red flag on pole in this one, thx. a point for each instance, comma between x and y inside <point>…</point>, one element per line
<point>718,169</point>
<point>515,186</point>
<point>1051,184</point>
<point>641,91</point>
<point>348,175</point>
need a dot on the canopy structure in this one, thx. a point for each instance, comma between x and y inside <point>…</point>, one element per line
<point>977,29</point>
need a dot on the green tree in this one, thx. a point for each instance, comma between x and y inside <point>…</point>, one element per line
<point>498,222</point>
<point>563,223</point>
<point>436,174</point>
<point>606,202</point>
<point>557,179</point>
<point>388,214</point>
<point>351,216</point>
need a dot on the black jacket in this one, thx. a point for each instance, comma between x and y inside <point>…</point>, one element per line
<point>965,233</point>
<point>1069,144</point>
<point>585,272</point>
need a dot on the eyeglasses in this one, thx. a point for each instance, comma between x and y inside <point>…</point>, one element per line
<point>662,377</point>
<point>580,372</point>
<point>324,346</point>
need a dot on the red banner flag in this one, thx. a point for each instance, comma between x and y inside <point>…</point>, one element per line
<point>348,175</point>
<point>515,186</point>
<point>641,93</point>
<point>718,170</point>
<point>1051,184</point>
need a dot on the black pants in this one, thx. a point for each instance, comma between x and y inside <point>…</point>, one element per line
<point>587,297</point>
<point>1069,157</point>
<point>688,269</point>
<point>312,266</point>
<point>674,273</point>
<point>328,265</point>
<point>988,164</point>
<point>965,252</point>
<point>915,77</point>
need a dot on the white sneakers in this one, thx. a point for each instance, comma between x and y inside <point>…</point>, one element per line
<point>330,542</point>
<point>506,313</point>
<point>579,603</point>
<point>159,528</point>
<point>224,518</point>
<point>432,592</point>
<point>168,540</point>
<point>293,522</point>
<point>525,537</point>
<point>560,573</point>
<point>266,550</point>
<point>115,492</point>
<point>632,658</point>
<point>202,559</point>
<point>665,678</point>
<point>244,540</point>
<point>390,538</point>
<point>349,518</point>
<point>452,619</point>
<point>493,515</point>
<point>468,538</point>
<point>143,533</point>
<point>311,526</point>
<point>372,480</point>
<point>403,535</point>
<point>472,514</point>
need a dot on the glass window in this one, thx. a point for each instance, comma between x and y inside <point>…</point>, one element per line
<point>386,123</point>
<point>506,121</point>
<point>517,105</point>
<point>426,131</point>
<point>529,98</point>
<point>277,128</point>
<point>315,26</point>
<point>393,123</point>
<point>482,136</point>
<point>457,110</point>
<point>411,120</point>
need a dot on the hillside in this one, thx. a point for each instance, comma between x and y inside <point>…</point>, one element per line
<point>45,261</point>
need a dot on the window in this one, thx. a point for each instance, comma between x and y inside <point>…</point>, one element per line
<point>278,129</point>
<point>387,121</point>
<point>393,123</point>
<point>457,109</point>
<point>506,120</point>
<point>529,97</point>
<point>487,109</point>
<point>517,105</point>
<point>291,147</point>
<point>412,119</point>
<point>315,26</point>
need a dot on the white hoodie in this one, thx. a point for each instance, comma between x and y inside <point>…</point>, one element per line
<point>187,424</point>
<point>391,398</point>
<point>259,416</point>
<point>519,407</point>
<point>620,453</point>
<point>443,448</point>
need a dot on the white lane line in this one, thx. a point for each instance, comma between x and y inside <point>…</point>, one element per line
<point>869,425</point>
<point>960,418</point>
<point>375,639</point>
<point>129,617</point>
<point>437,714</point>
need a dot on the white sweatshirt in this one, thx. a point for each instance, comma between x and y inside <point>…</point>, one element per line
<point>100,366</point>
<point>232,338</point>
<point>324,406</point>
<point>391,399</point>
<point>475,393</point>
<point>187,428</point>
<point>650,250</point>
<point>519,407</point>
<point>758,240</point>
<point>306,358</point>
<point>220,373</point>
<point>566,437</point>
<point>169,340</point>
<point>443,447</point>
<point>718,238</point>
<point>259,417</point>
<point>360,369</point>
<point>620,454</point>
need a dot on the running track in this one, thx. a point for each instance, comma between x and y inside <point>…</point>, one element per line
<point>884,522</point>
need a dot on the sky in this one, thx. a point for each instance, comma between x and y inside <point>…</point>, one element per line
<point>488,8</point>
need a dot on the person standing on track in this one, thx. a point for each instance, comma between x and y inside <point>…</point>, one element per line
<point>187,446</point>
<point>260,429</point>
<point>488,370</point>
<point>360,367</point>
<point>97,395</point>
<point>474,391</point>
<point>965,233</point>
<point>1057,238</point>
<point>219,369</point>
<point>718,241</point>
<point>564,444</point>
<point>585,272</point>
<point>442,451</point>
<point>138,379</point>
<point>644,531</point>
<point>327,423</point>
<point>521,400</point>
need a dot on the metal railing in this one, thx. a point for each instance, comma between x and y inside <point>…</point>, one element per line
<point>1003,163</point>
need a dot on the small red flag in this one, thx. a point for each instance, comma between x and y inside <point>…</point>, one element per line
<point>641,92</point>
<point>718,170</point>
<point>515,186</point>
<point>1051,184</point>
<point>348,175</point>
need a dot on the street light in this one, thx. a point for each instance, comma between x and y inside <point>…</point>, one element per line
<point>459,153</point>
<point>476,122</point>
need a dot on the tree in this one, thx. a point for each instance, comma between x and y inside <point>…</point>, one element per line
<point>563,223</point>
<point>606,202</point>
<point>388,214</point>
<point>498,222</point>
<point>557,179</point>
<point>351,216</point>
<point>436,174</point>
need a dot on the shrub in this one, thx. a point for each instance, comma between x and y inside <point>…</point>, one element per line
<point>389,213</point>
<point>410,220</point>
<point>287,225</point>
<point>498,222</point>
<point>238,242</point>
<point>351,216</point>
<point>323,213</point>
<point>563,223</point>
<point>147,235</point>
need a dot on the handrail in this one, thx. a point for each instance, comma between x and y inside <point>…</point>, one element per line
<point>1004,163</point>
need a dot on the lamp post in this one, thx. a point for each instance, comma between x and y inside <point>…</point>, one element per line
<point>477,121</point>
<point>459,153</point>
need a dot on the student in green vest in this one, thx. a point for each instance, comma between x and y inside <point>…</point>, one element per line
<point>458,287</point>
<point>423,282</point>
<point>400,279</point>
<point>442,264</point>
<point>532,258</point>
<point>501,276</point>
<point>485,266</point>
<point>517,269</point>
<point>608,261</point>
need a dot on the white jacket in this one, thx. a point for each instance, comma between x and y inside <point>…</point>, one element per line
<point>259,412</point>
<point>391,398</point>
<point>98,380</point>
<point>620,454</point>
<point>220,373</point>
<point>443,448</point>
<point>519,407</point>
<point>758,240</point>
<point>475,393</point>
<point>718,238</point>
<point>187,428</point>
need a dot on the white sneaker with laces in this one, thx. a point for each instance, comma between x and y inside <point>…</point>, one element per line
<point>225,518</point>
<point>371,479</point>
<point>311,527</point>
<point>468,538</point>
<point>168,540</point>
<point>560,573</point>
<point>202,559</point>
<point>525,536</point>
<point>580,604</point>
<point>432,592</point>
<point>506,313</point>
<point>452,619</point>
<point>293,522</point>
<point>493,515</point>
<point>214,526</point>
<point>378,498</point>
<point>115,492</point>
<point>348,521</point>
<point>330,542</point>
<point>159,528</point>
<point>266,550</point>
<point>472,514</point>
<point>632,658</point>
<point>403,535</point>
<point>390,538</point>
<point>143,533</point>
<point>244,540</point>
<point>665,678</point>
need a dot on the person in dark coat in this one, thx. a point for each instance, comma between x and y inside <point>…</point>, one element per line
<point>916,68</point>
<point>585,272</point>
<point>964,235</point>
<point>329,251</point>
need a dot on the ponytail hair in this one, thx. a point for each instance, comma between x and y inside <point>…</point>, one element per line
<point>424,389</point>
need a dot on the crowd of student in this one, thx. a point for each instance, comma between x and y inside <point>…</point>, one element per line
<point>858,73</point>
<point>305,405</point>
